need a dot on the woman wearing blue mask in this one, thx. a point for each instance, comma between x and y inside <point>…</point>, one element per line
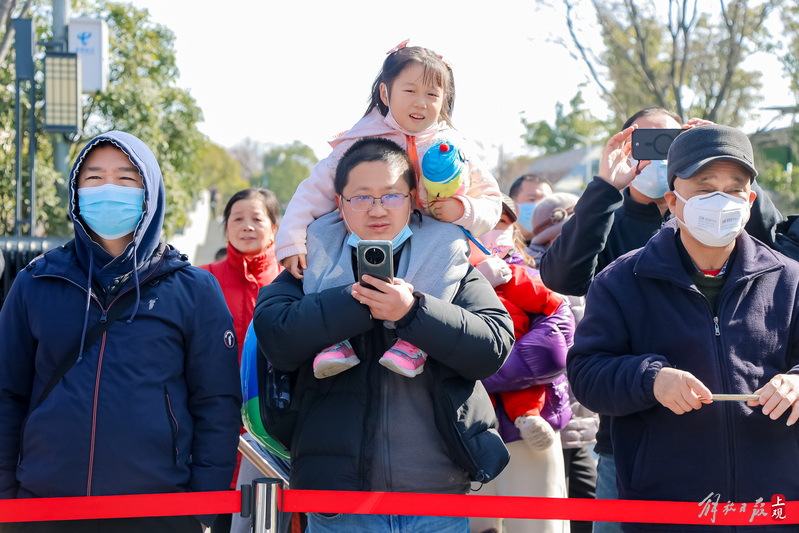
<point>118,360</point>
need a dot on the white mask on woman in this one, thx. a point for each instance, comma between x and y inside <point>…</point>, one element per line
<point>714,219</point>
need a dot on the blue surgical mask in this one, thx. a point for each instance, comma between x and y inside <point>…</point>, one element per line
<point>111,211</point>
<point>526,215</point>
<point>652,180</point>
<point>404,234</point>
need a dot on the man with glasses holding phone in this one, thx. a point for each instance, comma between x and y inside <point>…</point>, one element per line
<point>367,428</point>
<point>702,313</point>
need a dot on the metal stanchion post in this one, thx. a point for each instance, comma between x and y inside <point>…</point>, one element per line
<point>266,514</point>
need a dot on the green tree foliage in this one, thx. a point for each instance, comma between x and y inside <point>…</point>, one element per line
<point>142,99</point>
<point>569,131</point>
<point>219,169</point>
<point>682,56</point>
<point>789,55</point>
<point>284,168</point>
<point>784,184</point>
<point>48,212</point>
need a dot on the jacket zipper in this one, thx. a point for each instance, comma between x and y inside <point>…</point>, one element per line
<point>94,415</point>
<point>727,408</point>
<point>103,318</point>
<point>362,343</point>
<point>385,452</point>
<point>723,367</point>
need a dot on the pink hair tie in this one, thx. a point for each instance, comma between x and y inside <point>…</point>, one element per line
<point>399,47</point>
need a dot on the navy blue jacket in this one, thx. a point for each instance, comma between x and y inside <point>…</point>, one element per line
<point>153,406</point>
<point>607,224</point>
<point>643,313</point>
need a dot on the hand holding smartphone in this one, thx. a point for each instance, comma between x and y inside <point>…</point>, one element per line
<point>652,144</point>
<point>375,258</point>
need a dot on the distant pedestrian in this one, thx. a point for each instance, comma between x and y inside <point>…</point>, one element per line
<point>214,192</point>
<point>528,191</point>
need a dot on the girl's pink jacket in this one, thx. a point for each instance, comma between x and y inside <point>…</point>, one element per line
<point>315,196</point>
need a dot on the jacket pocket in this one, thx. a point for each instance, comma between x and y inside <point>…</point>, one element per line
<point>470,437</point>
<point>173,426</point>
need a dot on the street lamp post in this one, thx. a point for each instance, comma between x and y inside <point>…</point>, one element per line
<point>60,146</point>
<point>25,49</point>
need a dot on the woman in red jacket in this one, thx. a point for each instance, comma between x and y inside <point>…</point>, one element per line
<point>251,218</point>
<point>250,221</point>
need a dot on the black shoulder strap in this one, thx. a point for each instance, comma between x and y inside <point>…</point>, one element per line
<point>93,335</point>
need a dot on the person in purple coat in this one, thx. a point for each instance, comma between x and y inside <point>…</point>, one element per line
<point>538,357</point>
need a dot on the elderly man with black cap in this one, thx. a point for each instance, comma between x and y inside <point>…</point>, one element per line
<point>703,310</point>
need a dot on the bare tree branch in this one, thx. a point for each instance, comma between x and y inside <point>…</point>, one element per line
<point>641,45</point>
<point>617,107</point>
<point>735,18</point>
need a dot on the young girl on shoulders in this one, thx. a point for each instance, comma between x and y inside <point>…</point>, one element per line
<point>411,104</point>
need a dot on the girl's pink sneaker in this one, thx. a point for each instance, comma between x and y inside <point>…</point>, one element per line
<point>334,360</point>
<point>404,358</point>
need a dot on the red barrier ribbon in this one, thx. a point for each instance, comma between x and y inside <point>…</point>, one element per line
<point>130,506</point>
<point>321,501</point>
<point>655,512</point>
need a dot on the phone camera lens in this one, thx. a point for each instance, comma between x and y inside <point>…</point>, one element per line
<point>374,256</point>
<point>662,143</point>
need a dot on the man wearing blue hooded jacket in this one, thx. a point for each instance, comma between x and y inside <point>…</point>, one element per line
<point>702,310</point>
<point>153,405</point>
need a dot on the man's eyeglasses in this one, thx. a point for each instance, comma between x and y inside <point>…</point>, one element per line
<point>365,203</point>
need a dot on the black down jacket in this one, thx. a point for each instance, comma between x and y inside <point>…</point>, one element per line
<point>333,443</point>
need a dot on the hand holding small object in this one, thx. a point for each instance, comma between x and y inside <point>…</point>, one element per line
<point>680,391</point>
<point>780,393</point>
<point>388,302</point>
<point>448,209</point>
<point>614,167</point>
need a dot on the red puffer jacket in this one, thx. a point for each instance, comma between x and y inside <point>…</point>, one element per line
<point>240,279</point>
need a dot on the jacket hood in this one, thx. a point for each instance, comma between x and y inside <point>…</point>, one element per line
<point>148,231</point>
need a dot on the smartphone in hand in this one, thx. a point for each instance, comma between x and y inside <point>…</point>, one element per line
<point>653,143</point>
<point>375,258</point>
